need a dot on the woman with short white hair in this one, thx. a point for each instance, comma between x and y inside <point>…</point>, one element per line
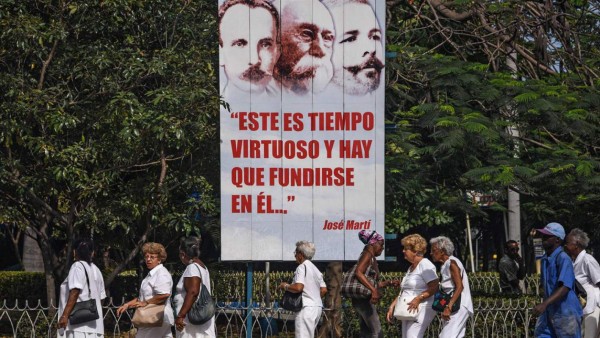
<point>308,280</point>
<point>587,273</point>
<point>453,280</point>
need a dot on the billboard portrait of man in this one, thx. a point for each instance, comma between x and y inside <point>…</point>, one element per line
<point>248,47</point>
<point>358,51</point>
<point>307,35</point>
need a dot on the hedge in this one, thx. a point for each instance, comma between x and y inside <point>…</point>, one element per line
<point>22,285</point>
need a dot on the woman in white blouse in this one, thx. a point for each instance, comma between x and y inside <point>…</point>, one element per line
<point>420,283</point>
<point>155,289</point>
<point>587,273</point>
<point>455,281</point>
<point>188,288</point>
<point>79,288</point>
<point>308,281</point>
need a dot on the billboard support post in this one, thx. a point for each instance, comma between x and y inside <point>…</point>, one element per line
<point>249,275</point>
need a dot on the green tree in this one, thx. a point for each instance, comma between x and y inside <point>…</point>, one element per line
<point>452,93</point>
<point>109,121</point>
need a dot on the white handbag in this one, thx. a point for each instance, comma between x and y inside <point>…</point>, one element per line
<point>401,310</point>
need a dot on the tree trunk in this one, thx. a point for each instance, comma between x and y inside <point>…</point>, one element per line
<point>32,255</point>
<point>47,255</point>
<point>332,326</point>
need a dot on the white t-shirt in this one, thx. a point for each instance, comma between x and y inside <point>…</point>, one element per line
<point>76,280</point>
<point>312,279</point>
<point>587,273</point>
<point>194,270</point>
<point>158,282</point>
<point>448,285</point>
<point>415,282</point>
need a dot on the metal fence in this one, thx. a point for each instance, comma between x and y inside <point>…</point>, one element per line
<point>494,316</point>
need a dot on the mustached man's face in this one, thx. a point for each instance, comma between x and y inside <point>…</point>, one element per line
<point>249,50</point>
<point>307,36</point>
<point>358,52</point>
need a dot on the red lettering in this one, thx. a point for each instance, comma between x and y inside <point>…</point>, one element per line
<point>254,121</point>
<point>241,204</point>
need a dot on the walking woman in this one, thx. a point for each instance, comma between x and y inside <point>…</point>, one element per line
<point>420,284</point>
<point>155,289</point>
<point>308,280</point>
<point>587,273</point>
<point>455,281</point>
<point>188,288</point>
<point>370,326</point>
<point>84,282</point>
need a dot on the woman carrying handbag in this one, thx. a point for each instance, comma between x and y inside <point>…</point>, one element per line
<point>309,284</point>
<point>188,288</point>
<point>456,310</point>
<point>366,272</point>
<point>418,287</point>
<point>155,292</point>
<point>83,284</point>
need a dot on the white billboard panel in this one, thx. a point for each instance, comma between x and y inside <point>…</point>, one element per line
<point>302,153</point>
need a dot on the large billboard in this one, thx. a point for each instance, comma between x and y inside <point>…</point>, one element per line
<point>302,137</point>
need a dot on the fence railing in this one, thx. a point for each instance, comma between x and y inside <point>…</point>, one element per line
<point>494,315</point>
<point>492,318</point>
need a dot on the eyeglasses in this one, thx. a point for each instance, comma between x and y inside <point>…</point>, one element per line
<point>151,257</point>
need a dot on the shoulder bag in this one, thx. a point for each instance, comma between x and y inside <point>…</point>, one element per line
<point>441,300</point>
<point>401,311</point>
<point>292,301</point>
<point>151,315</point>
<point>86,310</point>
<point>203,308</point>
<point>353,288</point>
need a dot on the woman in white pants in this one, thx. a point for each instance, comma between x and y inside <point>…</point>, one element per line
<point>587,273</point>
<point>420,283</point>
<point>308,280</point>
<point>454,280</point>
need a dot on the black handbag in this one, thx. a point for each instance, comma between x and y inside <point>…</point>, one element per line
<point>203,308</point>
<point>86,310</point>
<point>292,301</point>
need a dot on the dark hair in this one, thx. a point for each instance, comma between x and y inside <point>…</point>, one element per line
<point>509,242</point>
<point>84,248</point>
<point>190,246</point>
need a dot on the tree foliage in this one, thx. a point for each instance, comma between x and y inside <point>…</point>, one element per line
<point>467,75</point>
<point>109,113</point>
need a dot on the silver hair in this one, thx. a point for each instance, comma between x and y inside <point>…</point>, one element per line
<point>581,238</point>
<point>443,243</point>
<point>306,248</point>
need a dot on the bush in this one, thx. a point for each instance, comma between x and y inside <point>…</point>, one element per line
<point>23,286</point>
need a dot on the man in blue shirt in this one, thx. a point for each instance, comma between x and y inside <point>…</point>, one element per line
<point>560,312</point>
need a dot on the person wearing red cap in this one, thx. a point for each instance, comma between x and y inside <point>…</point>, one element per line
<point>560,312</point>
